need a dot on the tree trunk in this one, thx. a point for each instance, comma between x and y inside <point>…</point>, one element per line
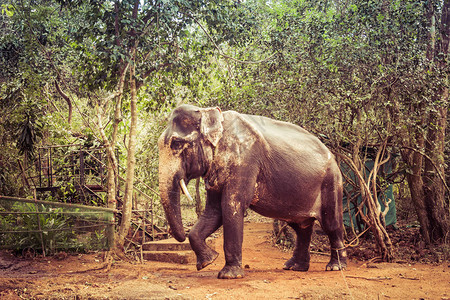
<point>415,181</point>
<point>112,165</point>
<point>373,217</point>
<point>433,208</point>
<point>68,101</point>
<point>434,181</point>
<point>132,141</point>
<point>131,160</point>
<point>426,150</point>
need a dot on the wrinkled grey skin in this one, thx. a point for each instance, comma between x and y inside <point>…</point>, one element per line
<point>277,169</point>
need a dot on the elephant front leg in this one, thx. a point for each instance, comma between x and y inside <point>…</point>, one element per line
<point>233,232</point>
<point>208,223</point>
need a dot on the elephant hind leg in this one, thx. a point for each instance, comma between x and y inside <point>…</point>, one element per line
<point>332,220</point>
<point>338,260</point>
<point>300,259</point>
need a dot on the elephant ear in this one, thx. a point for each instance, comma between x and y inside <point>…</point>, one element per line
<point>211,125</point>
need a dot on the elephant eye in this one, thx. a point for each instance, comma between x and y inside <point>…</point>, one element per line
<point>177,145</point>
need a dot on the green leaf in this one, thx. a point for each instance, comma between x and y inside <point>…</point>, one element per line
<point>8,10</point>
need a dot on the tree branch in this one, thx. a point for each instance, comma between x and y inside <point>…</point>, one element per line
<point>432,162</point>
<point>65,97</point>
<point>226,56</point>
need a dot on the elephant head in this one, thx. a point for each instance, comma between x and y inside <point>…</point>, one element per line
<point>185,152</point>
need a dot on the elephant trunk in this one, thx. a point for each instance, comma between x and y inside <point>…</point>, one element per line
<point>170,199</point>
<point>170,174</point>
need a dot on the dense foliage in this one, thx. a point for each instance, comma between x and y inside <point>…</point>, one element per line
<point>368,77</point>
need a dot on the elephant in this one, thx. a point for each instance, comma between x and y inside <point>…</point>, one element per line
<point>275,168</point>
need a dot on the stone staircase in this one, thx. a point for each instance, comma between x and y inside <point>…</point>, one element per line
<point>171,251</point>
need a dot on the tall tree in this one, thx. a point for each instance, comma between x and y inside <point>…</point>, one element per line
<point>434,168</point>
<point>365,74</point>
<point>27,76</point>
<point>144,39</point>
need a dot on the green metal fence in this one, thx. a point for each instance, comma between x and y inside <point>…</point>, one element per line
<point>52,226</point>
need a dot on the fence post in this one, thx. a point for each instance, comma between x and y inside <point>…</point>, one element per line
<point>153,221</point>
<point>110,230</point>
<point>81,168</point>
<point>39,223</point>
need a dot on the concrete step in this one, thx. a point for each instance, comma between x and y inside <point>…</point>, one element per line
<point>178,257</point>
<point>170,250</point>
<point>167,245</point>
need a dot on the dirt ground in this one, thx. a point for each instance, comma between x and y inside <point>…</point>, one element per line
<point>81,276</point>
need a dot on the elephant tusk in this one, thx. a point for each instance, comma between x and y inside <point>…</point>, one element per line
<point>185,190</point>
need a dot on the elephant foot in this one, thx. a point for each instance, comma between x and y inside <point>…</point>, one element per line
<point>294,265</point>
<point>337,263</point>
<point>335,266</point>
<point>231,272</point>
<point>206,259</point>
